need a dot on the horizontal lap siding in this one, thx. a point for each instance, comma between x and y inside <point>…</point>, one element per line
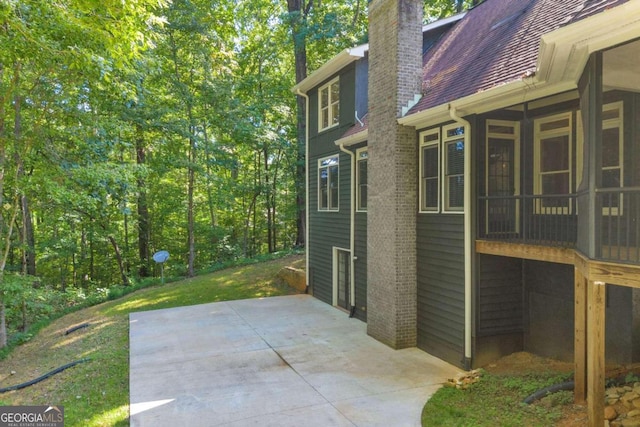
<point>327,230</point>
<point>440,243</point>
<point>361,266</point>
<point>500,295</point>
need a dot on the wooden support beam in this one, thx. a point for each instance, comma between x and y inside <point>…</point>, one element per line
<point>595,352</point>
<point>615,274</point>
<point>520,250</point>
<point>580,337</point>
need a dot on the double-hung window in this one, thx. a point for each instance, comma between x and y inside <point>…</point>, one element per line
<point>552,163</point>
<point>361,178</point>
<point>612,154</point>
<point>329,105</point>
<point>453,168</point>
<point>442,169</point>
<point>430,171</point>
<point>328,174</point>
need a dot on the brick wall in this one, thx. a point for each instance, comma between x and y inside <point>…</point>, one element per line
<point>395,75</point>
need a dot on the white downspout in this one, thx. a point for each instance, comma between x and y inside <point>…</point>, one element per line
<point>467,232</point>
<point>352,230</point>
<point>306,184</point>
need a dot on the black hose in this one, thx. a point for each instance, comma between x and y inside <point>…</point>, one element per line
<point>568,385</point>
<point>75,328</point>
<point>43,377</point>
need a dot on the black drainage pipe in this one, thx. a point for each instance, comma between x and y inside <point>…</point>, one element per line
<point>565,386</point>
<point>75,328</point>
<point>43,377</point>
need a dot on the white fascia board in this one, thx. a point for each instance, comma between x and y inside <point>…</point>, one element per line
<point>353,139</point>
<point>331,67</point>
<point>562,57</point>
<point>503,96</point>
<point>565,51</point>
<point>442,22</point>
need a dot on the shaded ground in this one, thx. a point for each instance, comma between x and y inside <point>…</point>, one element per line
<point>573,415</point>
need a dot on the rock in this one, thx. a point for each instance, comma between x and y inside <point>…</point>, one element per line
<point>633,414</point>
<point>628,398</point>
<point>636,403</point>
<point>631,422</point>
<point>464,379</point>
<point>610,413</point>
<point>294,277</point>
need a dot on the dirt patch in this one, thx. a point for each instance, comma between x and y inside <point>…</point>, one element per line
<point>522,363</point>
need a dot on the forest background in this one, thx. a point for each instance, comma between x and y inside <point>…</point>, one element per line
<point>132,126</point>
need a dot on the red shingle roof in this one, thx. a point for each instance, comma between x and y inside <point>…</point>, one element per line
<point>495,43</point>
<point>592,7</point>
<point>358,127</point>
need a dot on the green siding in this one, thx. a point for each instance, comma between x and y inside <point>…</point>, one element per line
<point>440,257</point>
<point>361,266</point>
<point>500,296</point>
<point>329,229</point>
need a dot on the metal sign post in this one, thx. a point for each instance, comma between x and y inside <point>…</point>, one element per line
<point>160,257</point>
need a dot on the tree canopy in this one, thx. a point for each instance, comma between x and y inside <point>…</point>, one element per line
<point>128,127</point>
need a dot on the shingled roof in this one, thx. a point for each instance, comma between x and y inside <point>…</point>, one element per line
<point>497,42</point>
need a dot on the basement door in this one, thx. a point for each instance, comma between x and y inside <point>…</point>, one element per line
<point>341,278</point>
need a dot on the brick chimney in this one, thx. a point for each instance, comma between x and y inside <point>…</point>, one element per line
<point>395,77</point>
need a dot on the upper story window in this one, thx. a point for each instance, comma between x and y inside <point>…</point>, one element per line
<point>453,146</point>
<point>328,180</point>
<point>430,171</point>
<point>552,163</point>
<point>361,178</point>
<point>329,105</point>
<point>612,154</point>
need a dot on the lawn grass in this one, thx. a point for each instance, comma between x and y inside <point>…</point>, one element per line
<point>96,393</point>
<point>496,400</point>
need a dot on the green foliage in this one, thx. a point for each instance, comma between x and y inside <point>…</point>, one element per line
<point>437,9</point>
<point>497,400</point>
<point>96,393</point>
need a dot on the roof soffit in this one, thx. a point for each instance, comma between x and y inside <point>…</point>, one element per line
<point>331,67</point>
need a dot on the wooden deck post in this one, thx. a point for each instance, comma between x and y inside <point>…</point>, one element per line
<point>595,352</point>
<point>580,337</point>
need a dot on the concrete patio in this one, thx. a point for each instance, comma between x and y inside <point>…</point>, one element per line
<point>282,361</point>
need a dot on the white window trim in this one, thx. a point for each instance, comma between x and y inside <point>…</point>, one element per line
<point>537,182</point>
<point>443,168</point>
<point>331,102</point>
<point>516,161</point>
<point>423,144</point>
<point>606,124</point>
<point>359,152</point>
<point>320,167</point>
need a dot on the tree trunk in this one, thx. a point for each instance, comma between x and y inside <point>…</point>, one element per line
<point>298,12</point>
<point>116,248</point>
<point>28,240</point>
<point>191,223</point>
<point>191,219</point>
<point>210,200</point>
<point>3,325</point>
<point>144,232</point>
